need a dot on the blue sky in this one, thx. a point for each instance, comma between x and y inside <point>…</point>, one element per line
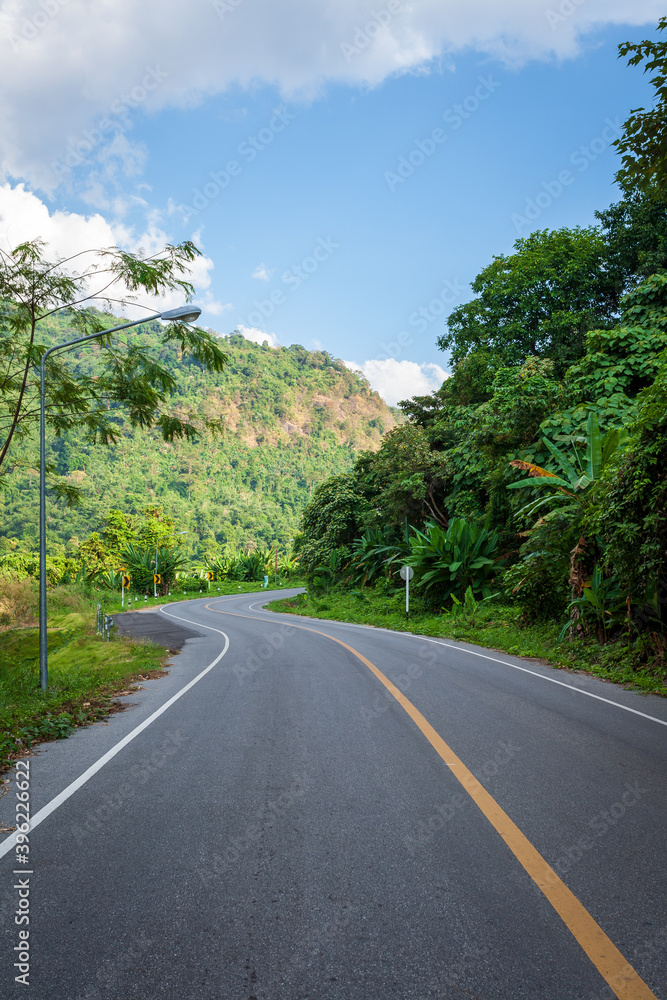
<point>338,202</point>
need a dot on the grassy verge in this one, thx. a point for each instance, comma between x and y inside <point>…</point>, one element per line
<point>495,626</point>
<point>85,675</point>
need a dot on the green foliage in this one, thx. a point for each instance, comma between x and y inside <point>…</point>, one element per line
<point>577,471</point>
<point>244,566</point>
<point>539,582</point>
<point>329,573</point>
<point>631,501</point>
<point>36,293</point>
<point>643,145</point>
<point>402,480</point>
<point>141,565</point>
<point>373,555</point>
<point>292,418</point>
<point>540,300</point>
<point>636,232</point>
<point>522,397</point>
<point>330,523</point>
<point>602,604</point>
<point>447,562</point>
<point>470,606</point>
<point>624,358</point>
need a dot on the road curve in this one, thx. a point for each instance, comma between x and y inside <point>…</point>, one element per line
<point>308,809</point>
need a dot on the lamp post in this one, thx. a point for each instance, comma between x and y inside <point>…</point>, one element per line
<point>157,542</point>
<point>186,314</point>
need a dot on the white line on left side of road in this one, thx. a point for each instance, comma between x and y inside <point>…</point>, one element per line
<point>66,793</point>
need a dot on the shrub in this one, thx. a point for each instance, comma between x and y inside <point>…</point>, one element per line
<point>447,562</point>
<point>18,602</point>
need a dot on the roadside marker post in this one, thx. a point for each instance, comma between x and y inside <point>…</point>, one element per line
<point>407,573</point>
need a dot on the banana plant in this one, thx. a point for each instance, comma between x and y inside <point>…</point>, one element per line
<point>570,484</point>
<point>288,565</point>
<point>602,604</point>
<point>110,579</point>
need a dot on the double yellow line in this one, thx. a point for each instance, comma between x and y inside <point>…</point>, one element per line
<point>603,953</point>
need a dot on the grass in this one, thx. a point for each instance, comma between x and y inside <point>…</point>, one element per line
<point>85,673</point>
<point>495,626</point>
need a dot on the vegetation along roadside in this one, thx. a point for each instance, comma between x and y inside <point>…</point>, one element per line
<point>86,673</point>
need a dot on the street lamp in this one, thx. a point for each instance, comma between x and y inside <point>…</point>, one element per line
<point>186,314</point>
<point>157,542</point>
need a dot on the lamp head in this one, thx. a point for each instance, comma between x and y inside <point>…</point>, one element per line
<point>186,314</point>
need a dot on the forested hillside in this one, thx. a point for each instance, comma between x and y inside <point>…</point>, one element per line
<point>288,418</point>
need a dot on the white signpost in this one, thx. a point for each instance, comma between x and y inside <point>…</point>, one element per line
<point>407,573</point>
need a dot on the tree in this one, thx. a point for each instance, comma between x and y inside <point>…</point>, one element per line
<point>34,291</point>
<point>643,145</point>
<point>402,479</point>
<point>625,358</point>
<point>636,231</point>
<point>331,520</point>
<point>541,300</point>
<point>632,510</point>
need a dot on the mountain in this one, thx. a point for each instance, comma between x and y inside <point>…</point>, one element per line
<point>290,418</point>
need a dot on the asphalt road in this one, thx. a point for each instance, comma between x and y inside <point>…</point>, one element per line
<point>332,811</point>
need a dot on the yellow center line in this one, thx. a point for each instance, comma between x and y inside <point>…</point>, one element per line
<point>603,953</point>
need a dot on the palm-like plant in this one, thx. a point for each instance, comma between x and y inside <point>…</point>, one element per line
<point>288,564</point>
<point>371,554</point>
<point>447,563</point>
<point>242,566</point>
<point>140,564</point>
<point>570,484</point>
<point>326,575</point>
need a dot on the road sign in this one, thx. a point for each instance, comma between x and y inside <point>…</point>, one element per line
<point>210,575</point>
<point>407,573</point>
<point>157,578</point>
<point>126,580</point>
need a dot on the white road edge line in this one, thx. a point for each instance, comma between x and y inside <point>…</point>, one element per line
<point>494,659</point>
<point>39,817</point>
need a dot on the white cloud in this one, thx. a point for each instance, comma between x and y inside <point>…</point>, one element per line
<point>138,58</point>
<point>396,380</point>
<point>258,336</point>
<point>261,273</point>
<point>23,216</point>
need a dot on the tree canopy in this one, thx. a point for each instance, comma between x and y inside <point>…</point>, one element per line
<point>122,376</point>
<point>643,144</point>
<point>540,300</point>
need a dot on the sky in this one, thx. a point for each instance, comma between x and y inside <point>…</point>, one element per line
<point>345,167</point>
